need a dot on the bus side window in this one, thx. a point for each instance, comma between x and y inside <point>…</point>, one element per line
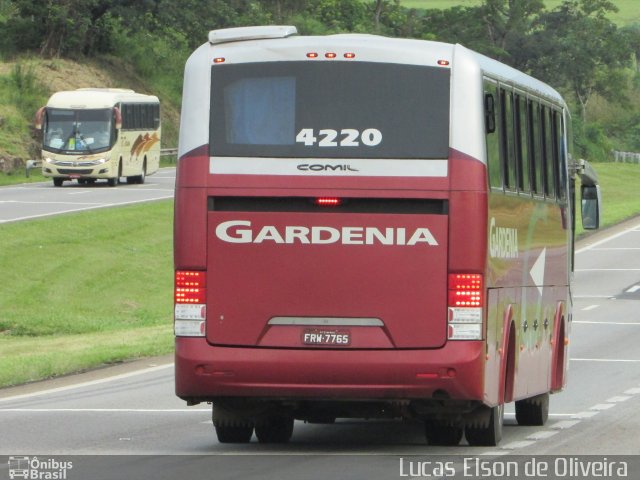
<point>492,136</point>
<point>548,160</point>
<point>560,157</point>
<point>535,133</point>
<point>522,153</point>
<point>507,139</point>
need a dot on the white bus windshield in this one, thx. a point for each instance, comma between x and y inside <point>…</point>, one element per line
<point>326,109</point>
<point>77,131</point>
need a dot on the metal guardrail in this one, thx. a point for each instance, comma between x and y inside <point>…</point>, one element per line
<point>31,164</point>
<point>626,157</point>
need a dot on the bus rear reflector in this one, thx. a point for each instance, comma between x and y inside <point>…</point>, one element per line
<point>466,302</point>
<point>190,287</point>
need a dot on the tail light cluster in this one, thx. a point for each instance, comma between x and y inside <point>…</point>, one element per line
<point>190,308</point>
<point>466,302</point>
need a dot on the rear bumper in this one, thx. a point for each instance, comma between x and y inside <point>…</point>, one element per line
<point>204,372</point>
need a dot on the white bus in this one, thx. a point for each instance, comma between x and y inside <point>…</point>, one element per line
<point>100,133</point>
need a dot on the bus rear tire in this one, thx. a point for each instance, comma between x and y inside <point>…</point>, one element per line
<point>533,411</point>
<point>443,435</point>
<point>277,429</point>
<point>490,433</point>
<point>234,433</point>
<point>57,182</point>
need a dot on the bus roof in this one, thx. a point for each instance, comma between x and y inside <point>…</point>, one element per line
<point>269,43</point>
<point>97,98</point>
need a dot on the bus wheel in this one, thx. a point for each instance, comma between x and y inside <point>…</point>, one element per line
<point>82,181</point>
<point>140,178</point>
<point>443,435</point>
<point>57,182</point>
<point>234,433</point>
<point>489,433</point>
<point>533,411</point>
<point>113,181</point>
<point>277,429</point>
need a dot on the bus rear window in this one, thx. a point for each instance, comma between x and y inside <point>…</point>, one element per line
<point>329,110</point>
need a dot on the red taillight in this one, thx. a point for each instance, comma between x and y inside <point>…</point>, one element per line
<point>465,290</point>
<point>190,287</point>
<point>328,201</point>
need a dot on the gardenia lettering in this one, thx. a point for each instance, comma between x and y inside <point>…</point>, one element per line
<point>240,231</point>
<point>503,241</point>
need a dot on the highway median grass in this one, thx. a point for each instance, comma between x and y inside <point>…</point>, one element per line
<point>87,289</point>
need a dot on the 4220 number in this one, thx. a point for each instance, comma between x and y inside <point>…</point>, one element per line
<point>347,137</point>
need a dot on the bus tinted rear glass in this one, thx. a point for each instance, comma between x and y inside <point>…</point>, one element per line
<point>329,110</point>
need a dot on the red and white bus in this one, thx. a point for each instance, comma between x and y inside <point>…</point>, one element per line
<point>370,227</point>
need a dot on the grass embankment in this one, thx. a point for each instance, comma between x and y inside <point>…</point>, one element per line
<point>85,289</point>
<point>91,288</point>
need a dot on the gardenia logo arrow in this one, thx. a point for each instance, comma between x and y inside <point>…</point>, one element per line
<point>537,271</point>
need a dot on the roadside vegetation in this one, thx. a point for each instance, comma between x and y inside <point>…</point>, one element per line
<point>85,289</point>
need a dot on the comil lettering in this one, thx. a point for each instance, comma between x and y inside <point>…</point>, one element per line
<point>503,241</point>
<point>241,231</point>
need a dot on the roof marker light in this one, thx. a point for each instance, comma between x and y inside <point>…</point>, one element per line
<point>349,55</point>
<point>312,55</point>
<point>218,60</point>
<point>443,63</point>
<point>330,55</point>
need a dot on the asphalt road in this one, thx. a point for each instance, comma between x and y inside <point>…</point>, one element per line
<point>131,409</point>
<point>36,200</point>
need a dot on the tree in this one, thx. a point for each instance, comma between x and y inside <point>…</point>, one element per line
<point>577,47</point>
<point>507,22</point>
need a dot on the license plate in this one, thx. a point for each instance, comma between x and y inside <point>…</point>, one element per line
<point>320,336</point>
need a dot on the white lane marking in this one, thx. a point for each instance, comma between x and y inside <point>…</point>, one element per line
<point>542,434</point>
<point>565,424</point>
<point>618,399</point>
<point>87,384</point>
<point>582,297</point>
<point>616,248</point>
<point>590,307</point>
<point>614,360</point>
<point>104,410</point>
<point>607,239</point>
<point>582,415</point>
<point>516,445</point>
<point>54,203</point>
<point>603,406</point>
<point>632,391</point>
<point>587,322</point>
<point>106,205</point>
<point>607,269</point>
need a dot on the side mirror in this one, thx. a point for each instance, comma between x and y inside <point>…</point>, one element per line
<point>489,113</point>
<point>591,206</point>
<point>39,118</point>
